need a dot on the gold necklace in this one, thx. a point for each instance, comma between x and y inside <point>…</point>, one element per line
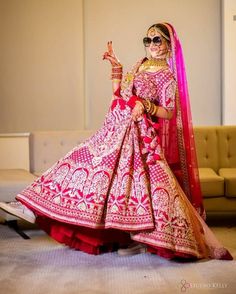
<point>153,65</point>
<point>155,62</point>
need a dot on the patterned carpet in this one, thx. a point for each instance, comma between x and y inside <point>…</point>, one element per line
<point>42,266</point>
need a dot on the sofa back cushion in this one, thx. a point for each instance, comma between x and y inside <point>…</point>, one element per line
<point>227,146</point>
<point>46,148</point>
<point>206,146</point>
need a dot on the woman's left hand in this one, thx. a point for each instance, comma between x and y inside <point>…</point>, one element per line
<point>137,112</point>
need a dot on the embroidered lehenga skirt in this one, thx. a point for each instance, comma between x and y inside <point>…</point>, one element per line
<point>115,188</point>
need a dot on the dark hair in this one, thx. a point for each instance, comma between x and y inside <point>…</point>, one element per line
<point>162,28</point>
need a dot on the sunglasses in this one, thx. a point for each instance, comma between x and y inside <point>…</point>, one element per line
<point>156,41</point>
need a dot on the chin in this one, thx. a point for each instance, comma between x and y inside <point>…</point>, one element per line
<point>154,54</point>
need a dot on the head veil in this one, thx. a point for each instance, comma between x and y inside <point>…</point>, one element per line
<point>177,138</point>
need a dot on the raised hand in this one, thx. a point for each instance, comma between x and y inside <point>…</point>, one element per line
<point>110,55</point>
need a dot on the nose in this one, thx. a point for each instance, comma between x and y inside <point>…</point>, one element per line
<point>152,44</point>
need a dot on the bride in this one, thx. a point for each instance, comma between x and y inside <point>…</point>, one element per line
<point>134,184</point>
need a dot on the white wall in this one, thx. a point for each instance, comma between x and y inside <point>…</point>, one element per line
<point>229,61</point>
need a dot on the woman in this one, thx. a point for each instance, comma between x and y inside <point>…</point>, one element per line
<point>120,186</point>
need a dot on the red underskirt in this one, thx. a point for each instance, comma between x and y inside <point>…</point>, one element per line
<point>98,241</point>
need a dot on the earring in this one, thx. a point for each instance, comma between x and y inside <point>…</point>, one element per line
<point>146,53</point>
<point>168,55</point>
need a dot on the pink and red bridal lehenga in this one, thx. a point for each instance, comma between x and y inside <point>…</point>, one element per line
<point>121,183</point>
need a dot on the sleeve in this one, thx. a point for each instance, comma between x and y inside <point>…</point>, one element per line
<point>167,96</point>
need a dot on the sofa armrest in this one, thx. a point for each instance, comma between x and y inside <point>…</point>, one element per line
<point>229,175</point>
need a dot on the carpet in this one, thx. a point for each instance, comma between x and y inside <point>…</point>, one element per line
<point>40,265</point>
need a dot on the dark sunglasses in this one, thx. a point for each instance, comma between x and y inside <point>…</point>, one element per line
<point>156,41</point>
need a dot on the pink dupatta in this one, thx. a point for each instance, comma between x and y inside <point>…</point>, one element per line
<point>177,138</point>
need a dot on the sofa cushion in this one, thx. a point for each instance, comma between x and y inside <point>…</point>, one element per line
<point>212,184</point>
<point>13,181</point>
<point>227,146</point>
<point>220,205</point>
<point>46,148</point>
<point>230,181</point>
<point>206,147</point>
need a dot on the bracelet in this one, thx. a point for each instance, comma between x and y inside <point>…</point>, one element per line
<point>150,107</point>
<point>147,105</point>
<point>114,69</point>
<point>116,76</point>
<point>117,66</point>
<point>116,80</point>
<point>116,72</point>
<point>154,112</point>
<point>140,103</point>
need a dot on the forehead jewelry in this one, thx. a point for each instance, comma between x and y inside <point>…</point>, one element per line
<point>152,31</point>
<point>155,30</point>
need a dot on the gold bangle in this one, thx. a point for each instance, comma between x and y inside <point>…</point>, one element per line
<point>154,112</point>
<point>147,104</point>
<point>152,108</point>
<point>116,80</point>
<point>140,103</point>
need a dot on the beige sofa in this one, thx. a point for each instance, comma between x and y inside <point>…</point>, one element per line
<point>45,148</point>
<point>216,151</point>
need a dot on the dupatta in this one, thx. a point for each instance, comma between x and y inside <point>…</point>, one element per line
<point>177,137</point>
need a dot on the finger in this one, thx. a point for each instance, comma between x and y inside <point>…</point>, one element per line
<point>133,116</point>
<point>106,55</point>
<point>109,46</point>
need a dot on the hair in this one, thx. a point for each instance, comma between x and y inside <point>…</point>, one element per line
<point>161,27</point>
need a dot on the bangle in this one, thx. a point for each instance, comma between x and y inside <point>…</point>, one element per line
<point>154,112</point>
<point>140,103</point>
<point>147,105</point>
<point>117,66</point>
<point>115,70</point>
<point>116,76</point>
<point>116,80</point>
<point>150,107</point>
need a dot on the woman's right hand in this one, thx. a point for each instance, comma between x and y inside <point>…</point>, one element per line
<point>137,112</point>
<point>110,55</point>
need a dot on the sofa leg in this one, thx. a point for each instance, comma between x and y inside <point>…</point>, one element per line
<point>14,225</point>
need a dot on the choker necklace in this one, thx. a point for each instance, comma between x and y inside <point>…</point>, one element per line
<point>153,65</point>
<point>155,62</point>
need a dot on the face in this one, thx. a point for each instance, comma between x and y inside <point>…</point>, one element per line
<point>158,48</point>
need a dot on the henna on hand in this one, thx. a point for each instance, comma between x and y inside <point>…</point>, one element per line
<point>110,55</point>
